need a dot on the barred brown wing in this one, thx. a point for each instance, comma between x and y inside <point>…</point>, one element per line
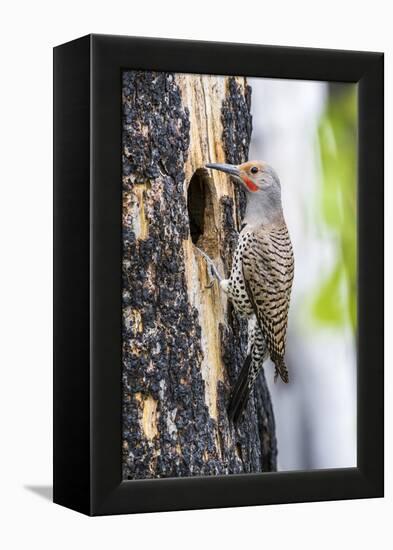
<point>268,269</point>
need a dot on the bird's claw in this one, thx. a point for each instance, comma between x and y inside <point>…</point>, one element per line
<point>211,276</point>
<point>211,269</point>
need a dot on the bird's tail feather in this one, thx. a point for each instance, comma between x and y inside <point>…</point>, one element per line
<point>281,371</point>
<point>240,392</point>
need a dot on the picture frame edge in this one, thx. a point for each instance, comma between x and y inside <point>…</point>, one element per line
<point>88,435</point>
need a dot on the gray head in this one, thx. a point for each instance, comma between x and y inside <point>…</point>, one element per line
<point>263,189</point>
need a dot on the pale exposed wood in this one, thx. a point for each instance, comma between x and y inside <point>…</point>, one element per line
<point>203,96</point>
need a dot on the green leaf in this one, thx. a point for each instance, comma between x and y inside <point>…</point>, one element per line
<point>335,299</point>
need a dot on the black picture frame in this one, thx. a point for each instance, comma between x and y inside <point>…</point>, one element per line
<point>87,275</point>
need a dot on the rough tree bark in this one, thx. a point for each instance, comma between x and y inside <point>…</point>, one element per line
<point>183,344</point>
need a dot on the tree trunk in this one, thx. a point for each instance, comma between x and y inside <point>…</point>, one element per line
<point>183,344</point>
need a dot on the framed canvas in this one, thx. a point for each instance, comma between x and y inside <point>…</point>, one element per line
<point>218,275</point>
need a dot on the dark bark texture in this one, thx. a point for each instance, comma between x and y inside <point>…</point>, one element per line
<point>183,344</point>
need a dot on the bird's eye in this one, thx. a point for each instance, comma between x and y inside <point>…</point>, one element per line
<point>254,170</point>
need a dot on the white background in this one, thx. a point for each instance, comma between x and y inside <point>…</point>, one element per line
<point>28,32</point>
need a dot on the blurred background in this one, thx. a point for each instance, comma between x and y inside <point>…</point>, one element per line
<point>308,132</point>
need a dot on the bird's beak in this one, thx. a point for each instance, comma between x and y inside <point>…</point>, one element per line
<point>227,168</point>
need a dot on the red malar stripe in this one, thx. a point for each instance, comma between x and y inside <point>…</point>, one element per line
<point>250,184</point>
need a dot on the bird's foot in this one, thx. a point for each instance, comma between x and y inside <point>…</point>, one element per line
<point>211,269</point>
<point>224,285</point>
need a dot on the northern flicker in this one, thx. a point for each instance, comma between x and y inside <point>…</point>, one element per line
<point>261,277</point>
